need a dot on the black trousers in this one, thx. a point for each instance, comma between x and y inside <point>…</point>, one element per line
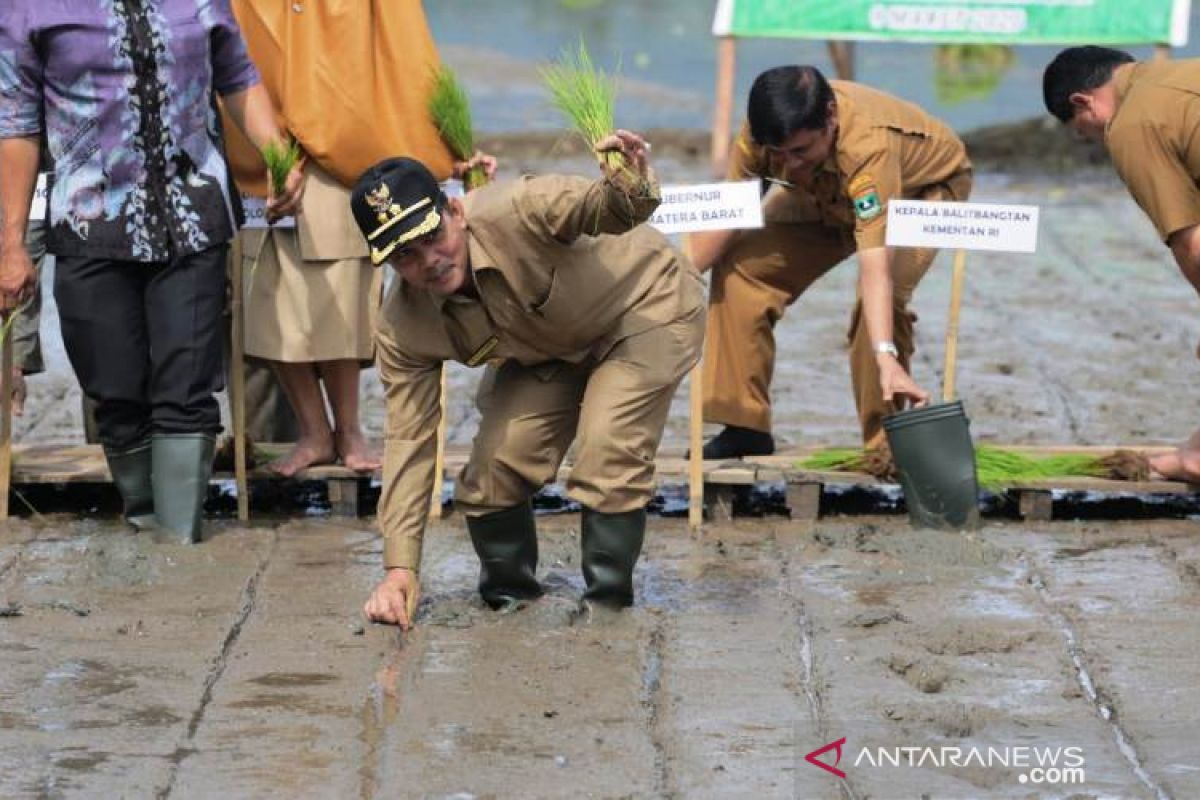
<point>145,341</point>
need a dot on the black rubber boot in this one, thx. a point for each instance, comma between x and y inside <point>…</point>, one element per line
<point>182,466</point>
<point>506,543</point>
<point>735,442</point>
<point>611,546</point>
<point>130,470</point>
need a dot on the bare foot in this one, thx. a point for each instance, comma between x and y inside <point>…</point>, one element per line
<point>353,450</point>
<point>306,453</point>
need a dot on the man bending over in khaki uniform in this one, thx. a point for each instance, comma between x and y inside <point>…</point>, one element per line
<point>831,155</point>
<point>1147,116</point>
<point>587,321</point>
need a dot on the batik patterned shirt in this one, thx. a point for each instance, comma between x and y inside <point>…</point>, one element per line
<point>123,92</point>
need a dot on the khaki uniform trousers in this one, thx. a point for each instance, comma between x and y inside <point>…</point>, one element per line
<point>614,410</point>
<point>763,273</point>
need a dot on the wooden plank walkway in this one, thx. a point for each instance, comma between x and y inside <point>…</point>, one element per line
<point>66,464</point>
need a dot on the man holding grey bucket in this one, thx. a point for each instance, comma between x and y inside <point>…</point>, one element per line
<point>587,320</point>
<point>831,155</point>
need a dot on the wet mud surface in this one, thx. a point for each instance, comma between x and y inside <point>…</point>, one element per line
<point>240,667</point>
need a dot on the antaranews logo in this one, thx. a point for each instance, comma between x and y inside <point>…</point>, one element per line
<point>1038,765</point>
<point>812,757</point>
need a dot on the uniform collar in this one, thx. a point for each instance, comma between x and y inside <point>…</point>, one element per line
<point>1123,78</point>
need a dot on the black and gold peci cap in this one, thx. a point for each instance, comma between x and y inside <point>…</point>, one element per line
<point>394,202</point>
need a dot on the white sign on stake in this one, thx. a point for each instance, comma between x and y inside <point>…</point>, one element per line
<point>962,226</point>
<point>709,207</point>
<point>256,214</point>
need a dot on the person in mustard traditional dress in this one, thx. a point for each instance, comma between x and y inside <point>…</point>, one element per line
<point>351,81</point>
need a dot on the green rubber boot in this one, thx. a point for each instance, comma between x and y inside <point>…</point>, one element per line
<point>611,546</point>
<point>507,546</point>
<point>130,470</point>
<point>182,467</point>
<point>935,459</point>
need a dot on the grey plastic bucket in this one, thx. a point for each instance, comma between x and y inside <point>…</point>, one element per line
<point>935,459</point>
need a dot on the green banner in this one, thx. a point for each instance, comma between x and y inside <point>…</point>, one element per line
<point>968,21</point>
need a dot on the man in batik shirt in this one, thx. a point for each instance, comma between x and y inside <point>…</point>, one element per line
<point>140,217</point>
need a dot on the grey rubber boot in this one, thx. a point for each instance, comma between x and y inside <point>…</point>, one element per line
<point>611,546</point>
<point>130,470</point>
<point>506,543</point>
<point>182,467</point>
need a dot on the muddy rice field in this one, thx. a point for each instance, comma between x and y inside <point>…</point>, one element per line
<point>1022,660</point>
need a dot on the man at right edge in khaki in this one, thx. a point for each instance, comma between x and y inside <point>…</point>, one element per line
<point>831,154</point>
<point>1147,116</point>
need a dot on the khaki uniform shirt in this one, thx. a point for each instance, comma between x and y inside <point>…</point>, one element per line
<point>564,271</point>
<point>885,147</point>
<point>1153,143</point>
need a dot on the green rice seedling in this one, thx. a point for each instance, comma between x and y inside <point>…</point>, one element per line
<point>585,95</point>
<point>450,110</point>
<point>996,467</point>
<point>835,459</point>
<point>281,158</point>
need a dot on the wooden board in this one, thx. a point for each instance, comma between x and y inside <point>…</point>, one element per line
<point>85,464</point>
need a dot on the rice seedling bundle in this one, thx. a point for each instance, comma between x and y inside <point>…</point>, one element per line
<point>585,95</point>
<point>997,467</point>
<point>281,158</point>
<point>450,110</point>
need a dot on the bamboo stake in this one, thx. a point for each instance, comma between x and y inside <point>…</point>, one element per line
<point>841,53</point>
<point>695,433</point>
<point>956,289</point>
<point>439,460</point>
<point>6,387</point>
<point>237,382</point>
<point>726,63</point>
<point>696,443</point>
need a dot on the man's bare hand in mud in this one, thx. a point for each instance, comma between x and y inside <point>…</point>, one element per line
<point>394,599</point>
<point>636,151</point>
<point>898,386</point>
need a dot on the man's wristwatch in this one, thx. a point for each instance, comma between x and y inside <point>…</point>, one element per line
<point>887,347</point>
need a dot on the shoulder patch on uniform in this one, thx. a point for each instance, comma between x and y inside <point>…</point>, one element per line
<point>482,353</point>
<point>864,197</point>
